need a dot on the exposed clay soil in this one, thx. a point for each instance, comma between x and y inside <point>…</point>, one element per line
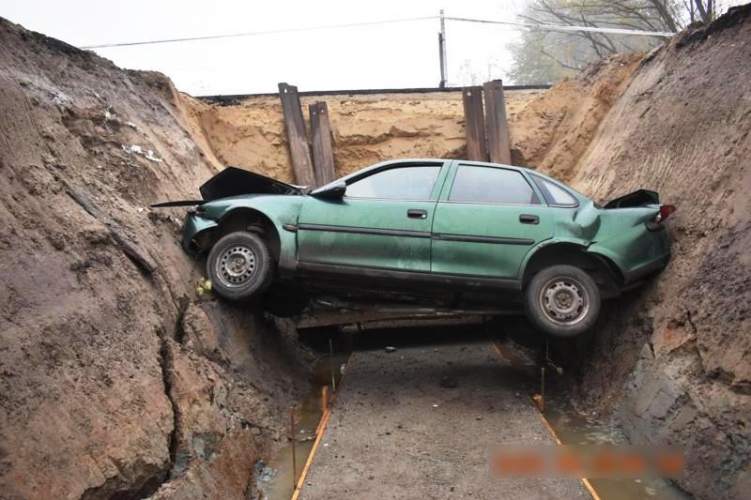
<point>117,382</point>
<point>366,129</point>
<point>550,130</point>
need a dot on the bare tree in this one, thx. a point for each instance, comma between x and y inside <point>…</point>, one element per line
<point>572,50</point>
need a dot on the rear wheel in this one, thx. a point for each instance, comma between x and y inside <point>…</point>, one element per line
<point>239,266</point>
<point>563,301</point>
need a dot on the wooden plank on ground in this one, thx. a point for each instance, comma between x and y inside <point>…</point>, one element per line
<point>497,125</point>
<point>475,124</point>
<point>297,138</point>
<point>323,154</point>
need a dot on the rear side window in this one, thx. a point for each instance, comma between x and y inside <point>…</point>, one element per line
<point>474,184</point>
<point>554,194</point>
<point>406,183</point>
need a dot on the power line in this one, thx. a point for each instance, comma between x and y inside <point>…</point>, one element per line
<point>257,33</point>
<point>528,26</point>
<point>564,27</point>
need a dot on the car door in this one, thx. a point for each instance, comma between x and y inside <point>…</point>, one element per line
<point>382,222</point>
<point>488,217</point>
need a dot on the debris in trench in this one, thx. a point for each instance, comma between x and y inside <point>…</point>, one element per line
<point>537,398</point>
<point>132,249</point>
<point>203,286</point>
<point>146,153</point>
<point>390,349</point>
<point>448,382</point>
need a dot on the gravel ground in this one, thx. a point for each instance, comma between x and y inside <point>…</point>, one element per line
<point>396,431</point>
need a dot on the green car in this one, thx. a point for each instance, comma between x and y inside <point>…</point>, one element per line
<point>452,233</point>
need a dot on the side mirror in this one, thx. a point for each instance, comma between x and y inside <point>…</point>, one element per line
<point>332,191</point>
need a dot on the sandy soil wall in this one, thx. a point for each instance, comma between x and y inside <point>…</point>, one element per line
<point>366,129</point>
<point>548,130</point>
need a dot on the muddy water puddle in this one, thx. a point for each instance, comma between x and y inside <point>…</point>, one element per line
<point>277,479</point>
<point>574,428</point>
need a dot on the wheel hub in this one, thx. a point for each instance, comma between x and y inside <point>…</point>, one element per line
<point>236,265</point>
<point>565,301</point>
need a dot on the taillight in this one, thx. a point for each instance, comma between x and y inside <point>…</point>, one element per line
<point>665,212</point>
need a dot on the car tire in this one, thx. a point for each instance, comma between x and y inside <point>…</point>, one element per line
<point>240,266</point>
<point>563,301</point>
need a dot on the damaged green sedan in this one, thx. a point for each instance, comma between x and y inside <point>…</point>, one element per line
<point>456,234</point>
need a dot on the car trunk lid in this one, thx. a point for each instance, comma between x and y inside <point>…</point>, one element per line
<point>638,198</point>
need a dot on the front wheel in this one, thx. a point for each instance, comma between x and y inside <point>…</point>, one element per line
<point>239,266</point>
<point>563,301</point>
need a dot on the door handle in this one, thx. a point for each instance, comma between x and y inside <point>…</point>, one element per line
<point>529,219</point>
<point>414,213</point>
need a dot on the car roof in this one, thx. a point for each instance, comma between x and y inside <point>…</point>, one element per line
<point>422,161</point>
<point>416,162</point>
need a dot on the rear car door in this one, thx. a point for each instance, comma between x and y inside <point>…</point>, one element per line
<point>488,217</point>
<point>383,221</point>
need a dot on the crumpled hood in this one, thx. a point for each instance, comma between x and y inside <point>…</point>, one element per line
<point>233,181</point>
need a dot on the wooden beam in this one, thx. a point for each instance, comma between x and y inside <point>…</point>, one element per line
<point>474,124</point>
<point>323,154</point>
<point>497,125</point>
<point>297,138</point>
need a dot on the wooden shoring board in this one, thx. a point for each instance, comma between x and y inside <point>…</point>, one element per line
<point>496,123</point>
<point>297,138</point>
<point>475,124</point>
<point>323,153</point>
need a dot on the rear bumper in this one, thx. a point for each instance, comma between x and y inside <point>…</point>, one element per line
<point>637,252</point>
<point>646,269</point>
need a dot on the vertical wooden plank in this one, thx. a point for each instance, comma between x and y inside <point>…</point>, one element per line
<point>296,135</point>
<point>497,125</point>
<point>474,124</point>
<point>323,154</point>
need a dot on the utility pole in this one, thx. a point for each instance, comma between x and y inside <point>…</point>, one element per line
<point>442,51</point>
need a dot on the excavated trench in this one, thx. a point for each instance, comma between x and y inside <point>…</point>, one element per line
<point>118,381</point>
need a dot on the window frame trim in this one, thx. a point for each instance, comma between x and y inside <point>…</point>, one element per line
<point>446,198</point>
<point>539,181</point>
<point>434,191</point>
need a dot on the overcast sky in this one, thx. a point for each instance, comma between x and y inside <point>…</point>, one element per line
<point>383,56</point>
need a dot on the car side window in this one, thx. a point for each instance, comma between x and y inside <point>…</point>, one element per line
<point>402,183</point>
<point>555,195</point>
<point>474,184</point>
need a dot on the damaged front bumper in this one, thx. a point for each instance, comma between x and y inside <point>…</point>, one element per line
<point>196,232</point>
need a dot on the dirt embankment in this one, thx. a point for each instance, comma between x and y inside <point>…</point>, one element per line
<point>675,357</point>
<point>114,381</point>
<point>366,129</point>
